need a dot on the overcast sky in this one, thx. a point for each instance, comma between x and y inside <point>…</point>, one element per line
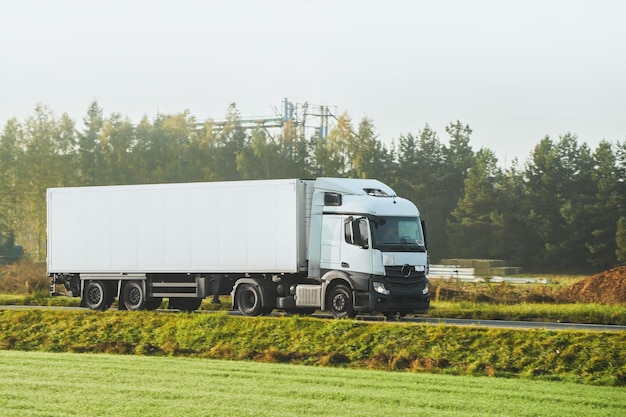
<point>513,71</point>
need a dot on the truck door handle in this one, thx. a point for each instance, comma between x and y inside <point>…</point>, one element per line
<point>345,265</point>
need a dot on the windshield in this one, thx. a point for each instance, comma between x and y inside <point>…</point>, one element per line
<point>398,234</point>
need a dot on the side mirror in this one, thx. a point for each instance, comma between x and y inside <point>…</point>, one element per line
<point>360,227</point>
<point>356,231</point>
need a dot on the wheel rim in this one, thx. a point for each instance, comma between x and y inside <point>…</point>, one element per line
<point>95,294</point>
<point>134,296</point>
<point>340,302</point>
<point>249,299</point>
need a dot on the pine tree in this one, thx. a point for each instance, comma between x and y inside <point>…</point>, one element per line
<point>477,218</point>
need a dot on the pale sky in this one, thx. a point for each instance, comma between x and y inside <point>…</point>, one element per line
<point>515,71</point>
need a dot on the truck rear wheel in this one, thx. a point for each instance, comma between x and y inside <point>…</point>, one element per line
<point>340,302</point>
<point>249,300</point>
<point>133,296</point>
<point>97,296</point>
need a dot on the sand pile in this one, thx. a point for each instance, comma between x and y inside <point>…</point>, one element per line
<point>608,287</point>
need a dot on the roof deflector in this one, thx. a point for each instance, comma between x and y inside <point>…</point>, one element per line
<point>376,192</point>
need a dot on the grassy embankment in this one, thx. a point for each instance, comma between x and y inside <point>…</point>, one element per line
<point>576,356</point>
<point>45,384</point>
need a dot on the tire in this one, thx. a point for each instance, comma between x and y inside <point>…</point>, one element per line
<point>185,304</point>
<point>340,302</point>
<point>96,296</point>
<point>248,299</point>
<point>133,296</point>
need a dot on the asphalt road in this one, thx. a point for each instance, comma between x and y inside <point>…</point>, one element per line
<point>434,321</point>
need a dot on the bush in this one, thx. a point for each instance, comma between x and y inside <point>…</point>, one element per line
<point>497,293</point>
<point>23,277</point>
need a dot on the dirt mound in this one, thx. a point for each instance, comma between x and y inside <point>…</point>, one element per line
<point>608,287</point>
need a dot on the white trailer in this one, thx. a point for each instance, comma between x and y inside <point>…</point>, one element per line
<point>296,245</point>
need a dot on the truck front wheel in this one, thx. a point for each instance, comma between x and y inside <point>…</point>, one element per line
<point>97,296</point>
<point>340,302</point>
<point>249,300</point>
<point>133,296</point>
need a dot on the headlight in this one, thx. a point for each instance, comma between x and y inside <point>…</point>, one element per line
<point>379,287</point>
<point>425,290</point>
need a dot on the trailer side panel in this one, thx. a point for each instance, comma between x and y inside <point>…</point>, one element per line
<point>219,227</point>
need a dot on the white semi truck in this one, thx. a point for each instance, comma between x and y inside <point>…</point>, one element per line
<point>342,245</point>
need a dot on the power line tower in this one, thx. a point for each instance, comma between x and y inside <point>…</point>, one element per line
<point>309,119</point>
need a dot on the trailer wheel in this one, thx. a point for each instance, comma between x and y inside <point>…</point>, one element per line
<point>340,302</point>
<point>133,296</point>
<point>249,300</point>
<point>97,296</point>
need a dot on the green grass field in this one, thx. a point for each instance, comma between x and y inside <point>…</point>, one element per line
<point>66,384</point>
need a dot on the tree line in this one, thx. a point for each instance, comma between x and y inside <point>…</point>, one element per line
<point>562,209</point>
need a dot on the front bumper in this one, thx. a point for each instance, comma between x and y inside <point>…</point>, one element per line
<point>404,296</point>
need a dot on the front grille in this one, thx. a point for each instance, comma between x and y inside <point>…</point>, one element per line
<point>397,272</point>
<point>396,281</point>
<point>404,285</point>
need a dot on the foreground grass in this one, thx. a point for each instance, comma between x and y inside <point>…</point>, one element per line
<point>575,356</point>
<point>49,384</point>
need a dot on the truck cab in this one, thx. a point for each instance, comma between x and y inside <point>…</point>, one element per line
<point>369,250</point>
<point>366,253</point>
